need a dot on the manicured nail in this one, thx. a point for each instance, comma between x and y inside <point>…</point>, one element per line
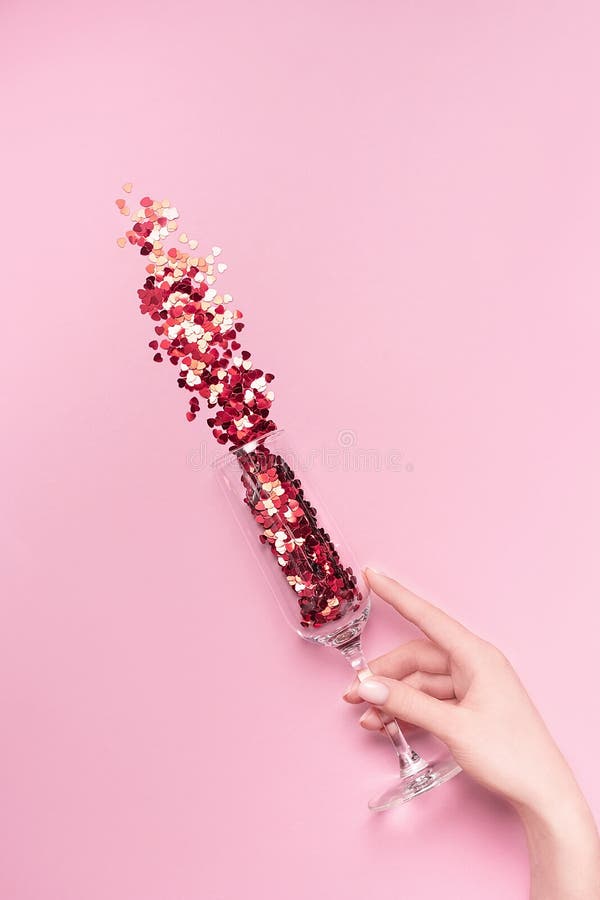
<point>373,691</point>
<point>350,689</point>
<point>369,717</point>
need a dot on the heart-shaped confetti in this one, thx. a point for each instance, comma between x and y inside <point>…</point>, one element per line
<point>198,332</point>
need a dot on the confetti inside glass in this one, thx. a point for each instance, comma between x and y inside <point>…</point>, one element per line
<point>197,330</point>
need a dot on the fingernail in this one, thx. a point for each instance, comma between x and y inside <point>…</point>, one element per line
<point>373,691</point>
<point>370,716</point>
<point>349,690</point>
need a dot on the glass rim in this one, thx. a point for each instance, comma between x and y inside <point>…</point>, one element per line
<point>234,452</point>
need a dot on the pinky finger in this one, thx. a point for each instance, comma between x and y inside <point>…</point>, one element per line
<point>374,720</point>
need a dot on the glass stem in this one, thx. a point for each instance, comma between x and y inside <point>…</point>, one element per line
<point>409,759</point>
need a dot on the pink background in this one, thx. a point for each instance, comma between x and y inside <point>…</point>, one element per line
<point>407,195</point>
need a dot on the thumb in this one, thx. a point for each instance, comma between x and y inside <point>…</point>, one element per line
<point>405,702</point>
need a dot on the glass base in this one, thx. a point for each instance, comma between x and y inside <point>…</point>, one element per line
<point>405,788</point>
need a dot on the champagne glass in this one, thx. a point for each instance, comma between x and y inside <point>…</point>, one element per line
<point>315,580</point>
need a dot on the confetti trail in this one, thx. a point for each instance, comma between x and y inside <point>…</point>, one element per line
<point>198,331</point>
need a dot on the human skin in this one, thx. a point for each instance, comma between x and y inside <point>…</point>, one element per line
<point>465,691</point>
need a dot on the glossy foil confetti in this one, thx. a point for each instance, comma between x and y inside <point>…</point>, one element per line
<point>198,332</point>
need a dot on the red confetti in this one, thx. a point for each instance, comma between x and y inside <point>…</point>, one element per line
<point>200,333</point>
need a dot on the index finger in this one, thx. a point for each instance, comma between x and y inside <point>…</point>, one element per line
<point>441,628</point>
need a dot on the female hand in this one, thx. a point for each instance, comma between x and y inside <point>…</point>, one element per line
<point>465,691</point>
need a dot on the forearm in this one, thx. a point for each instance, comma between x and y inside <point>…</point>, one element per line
<point>564,849</point>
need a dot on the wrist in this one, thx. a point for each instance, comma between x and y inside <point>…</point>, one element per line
<point>551,796</point>
<point>562,824</point>
<point>559,808</point>
<point>564,847</point>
